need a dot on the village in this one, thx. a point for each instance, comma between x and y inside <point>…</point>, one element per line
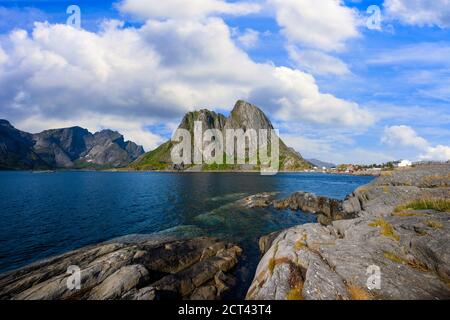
<point>369,170</point>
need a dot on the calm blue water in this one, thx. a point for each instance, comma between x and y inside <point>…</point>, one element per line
<point>44,214</point>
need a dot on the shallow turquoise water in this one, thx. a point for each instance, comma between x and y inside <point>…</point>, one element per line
<point>44,214</point>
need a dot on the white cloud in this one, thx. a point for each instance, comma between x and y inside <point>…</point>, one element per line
<point>438,153</point>
<point>182,9</point>
<point>325,24</point>
<point>142,75</point>
<point>248,39</point>
<point>420,12</point>
<point>404,136</point>
<point>299,97</point>
<point>317,62</point>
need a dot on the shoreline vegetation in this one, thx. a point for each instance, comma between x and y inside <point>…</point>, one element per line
<point>190,172</point>
<point>396,227</point>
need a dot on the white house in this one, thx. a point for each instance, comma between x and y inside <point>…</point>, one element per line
<point>405,163</point>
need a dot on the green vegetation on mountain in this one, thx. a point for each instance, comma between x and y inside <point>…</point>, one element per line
<point>244,116</point>
<point>158,159</point>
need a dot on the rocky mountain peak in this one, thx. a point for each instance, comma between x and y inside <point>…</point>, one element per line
<point>243,116</point>
<point>73,147</point>
<point>108,134</point>
<point>5,123</point>
<point>248,116</point>
<point>209,119</point>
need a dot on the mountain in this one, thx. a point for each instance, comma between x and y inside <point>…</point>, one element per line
<point>243,116</point>
<point>64,149</point>
<point>321,164</point>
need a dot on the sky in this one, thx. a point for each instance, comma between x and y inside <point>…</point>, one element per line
<point>350,81</point>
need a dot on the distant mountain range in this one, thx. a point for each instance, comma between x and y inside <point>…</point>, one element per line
<point>67,148</point>
<point>243,116</point>
<point>321,164</point>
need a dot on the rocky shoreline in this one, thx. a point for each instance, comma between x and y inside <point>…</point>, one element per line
<point>140,269</point>
<point>364,235</point>
<point>407,249</point>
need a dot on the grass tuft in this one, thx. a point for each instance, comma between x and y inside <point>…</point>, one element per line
<point>301,243</point>
<point>408,214</point>
<point>436,204</point>
<point>394,258</point>
<point>272,264</point>
<point>358,293</point>
<point>412,263</point>
<point>295,293</point>
<point>386,229</point>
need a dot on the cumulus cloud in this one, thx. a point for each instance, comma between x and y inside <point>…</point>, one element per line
<point>182,9</point>
<point>297,96</point>
<point>437,153</point>
<point>317,62</point>
<point>405,136</point>
<point>420,12</point>
<point>324,25</point>
<point>149,74</point>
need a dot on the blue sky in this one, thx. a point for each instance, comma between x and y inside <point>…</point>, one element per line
<point>337,90</point>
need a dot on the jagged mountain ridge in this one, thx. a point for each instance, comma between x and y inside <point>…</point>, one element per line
<point>243,116</point>
<point>64,148</point>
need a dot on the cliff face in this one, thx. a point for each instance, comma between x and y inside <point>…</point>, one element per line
<point>64,148</point>
<point>16,149</point>
<point>243,116</point>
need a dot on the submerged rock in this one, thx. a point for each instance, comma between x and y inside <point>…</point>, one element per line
<point>140,270</point>
<point>328,209</point>
<point>260,200</point>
